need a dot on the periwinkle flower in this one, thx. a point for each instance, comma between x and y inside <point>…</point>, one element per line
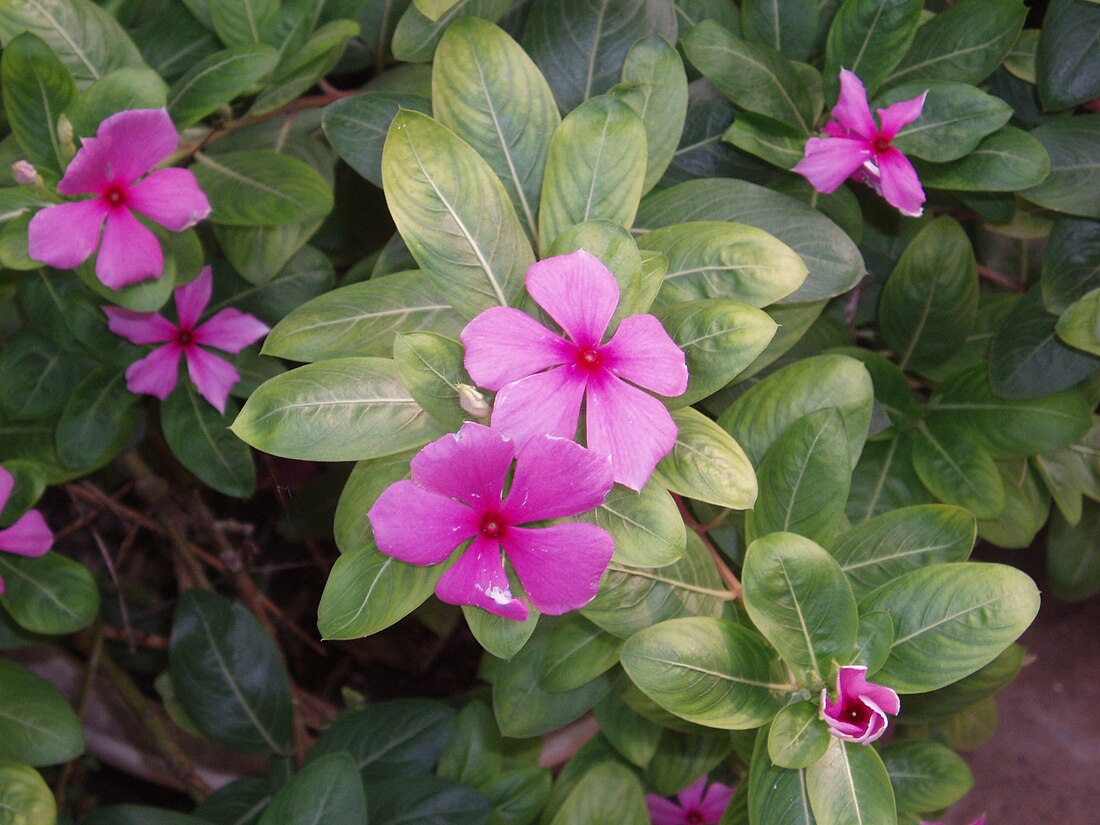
<point>29,536</point>
<point>457,494</point>
<point>695,805</point>
<point>859,712</point>
<point>859,149</point>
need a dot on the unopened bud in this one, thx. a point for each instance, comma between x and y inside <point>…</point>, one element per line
<point>472,401</point>
<point>25,174</point>
<point>66,137</point>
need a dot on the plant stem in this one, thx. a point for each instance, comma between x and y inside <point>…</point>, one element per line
<point>700,529</point>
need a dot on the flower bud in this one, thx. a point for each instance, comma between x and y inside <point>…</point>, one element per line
<point>472,401</point>
<point>66,137</point>
<point>25,174</point>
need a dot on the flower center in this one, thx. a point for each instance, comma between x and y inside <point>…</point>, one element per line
<point>492,525</point>
<point>115,195</point>
<point>693,817</point>
<point>184,336</point>
<point>588,358</point>
<point>880,144</point>
<point>858,713</point>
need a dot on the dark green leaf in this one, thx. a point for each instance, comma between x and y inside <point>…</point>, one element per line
<point>869,38</point>
<point>938,705</point>
<point>607,793</point>
<point>849,784</point>
<point>36,88</point>
<point>954,120</point>
<point>238,22</point>
<point>261,188</point>
<point>52,594</point>
<point>431,368</point>
<point>37,725</point>
<point>416,37</point>
<point>98,421</point>
<point>1007,160</point>
<point>776,795</point>
<point>1071,263</point>
<point>787,27</point>
<point>576,653</point>
<point>241,802</point>
<point>328,791</point>
<point>957,469</point>
<point>138,815</point>
<point>216,80</point>
<point>357,126</point>
<point>122,89</point>
<point>1073,554</point>
<point>1073,144</point>
<point>428,800</point>
<point>759,135</point>
<point>797,737</point>
<point>1068,59</point>
<point>199,437</point>
<point>926,776</point>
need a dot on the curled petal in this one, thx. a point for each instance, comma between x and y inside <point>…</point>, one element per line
<point>192,298</point>
<point>899,183</point>
<point>643,353</point>
<point>63,236</point>
<point>230,330</point>
<point>171,197</point>
<point>578,292</point>
<point>662,811</point>
<point>898,115</point>
<point>418,526</point>
<point>851,108</point>
<point>212,376</point>
<point>156,373</point>
<point>504,345</point>
<point>129,253</point>
<point>27,537</point>
<point>831,161</point>
<point>469,465</point>
<point>555,477</point>
<point>692,795</point>
<point>478,579</point>
<point>560,566</point>
<point>545,404</point>
<point>139,327</point>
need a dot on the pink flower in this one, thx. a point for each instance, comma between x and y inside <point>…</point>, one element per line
<point>858,149</point>
<point>859,712</point>
<point>456,495</point>
<point>541,378</point>
<point>156,373</point>
<point>695,808</point>
<point>29,536</point>
<point>126,146</point>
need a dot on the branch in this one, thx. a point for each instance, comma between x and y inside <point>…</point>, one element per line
<point>728,578</point>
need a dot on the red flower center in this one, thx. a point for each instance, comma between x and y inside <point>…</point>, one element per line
<point>492,525</point>
<point>856,713</point>
<point>184,336</point>
<point>588,358</point>
<point>115,195</point>
<point>880,144</point>
<point>693,817</point>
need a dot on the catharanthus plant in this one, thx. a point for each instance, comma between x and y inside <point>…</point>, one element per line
<point>156,374</point>
<point>857,148</point>
<point>29,536</point>
<point>457,494</point>
<point>110,167</point>
<point>979,821</point>
<point>859,712</point>
<point>695,805</point>
<point>541,378</point>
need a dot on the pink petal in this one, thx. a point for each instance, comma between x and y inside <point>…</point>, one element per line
<point>875,728</point>
<point>7,484</point>
<point>88,170</point>
<point>469,465</point>
<point>214,377</point>
<point>578,292</point>
<point>850,680</point>
<point>478,579</point>
<point>171,197</point>
<point>633,428</point>
<point>851,108</point>
<point>504,345</point>
<point>716,801</point>
<point>545,404</point>
<point>139,327</point>
<point>63,236</point>
<point>192,298</point>
<point>834,129</point>
<point>418,526</point>
<point>900,185</point>
<point>560,566</point>
<point>882,698</point>
<point>27,537</point>
<point>642,352</point>
<point>129,253</point>
<point>899,114</point>
<point>230,330</point>
<point>555,477</point>
<point>692,795</point>
<point>830,161</point>
<point>156,373</point>
<point>663,812</point>
<point>126,146</point>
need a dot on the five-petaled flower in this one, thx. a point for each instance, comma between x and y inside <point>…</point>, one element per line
<point>695,807</point>
<point>457,494</point>
<point>108,166</point>
<point>156,374</point>
<point>29,536</point>
<point>859,712</point>
<point>541,378</point>
<point>858,149</point>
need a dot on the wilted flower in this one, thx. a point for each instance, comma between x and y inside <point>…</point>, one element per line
<point>126,146</point>
<point>859,712</point>
<point>456,494</point>
<point>29,536</point>
<point>858,149</point>
<point>541,378</point>
<point>156,374</point>
<point>695,807</point>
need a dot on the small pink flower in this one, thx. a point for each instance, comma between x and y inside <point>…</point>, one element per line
<point>456,495</point>
<point>859,712</point>
<point>29,536</point>
<point>126,146</point>
<point>695,808</point>
<point>156,373</point>
<point>858,149</point>
<point>541,378</point>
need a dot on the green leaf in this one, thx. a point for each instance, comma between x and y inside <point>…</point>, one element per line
<point>26,795</point>
<point>849,784</point>
<point>502,637</point>
<point>241,802</point>
<point>122,89</point>
<point>328,791</point>
<point>368,479</point>
<point>99,419</point>
<point>301,69</point>
<point>804,480</point>
<point>682,757</point>
<point>759,135</point>
<point>37,725</point>
<point>1071,473</point>
<point>357,126</point>
<point>1071,263</point>
<point>217,79</point>
<point>337,410</point>
<point>964,43</point>
<point>631,734</point>
<point>36,88</point>
<point>433,9</point>
<point>576,653</point>
<point>706,464</point>
<point>473,754</point>
<point>938,705</point>
<point>138,815</point>
<point>199,437</point>
<point>776,795</point>
<point>898,541</point>
<point>926,776</point>
<point>89,41</point>
<point>789,27</point>
<point>416,37</point>
<point>261,188</point>
<point>518,796</point>
<point>428,800</point>
<point>646,526</point>
<point>238,22</point>
<point>36,378</point>
<point>873,640</point>
<point>759,417</point>
<point>607,793</point>
<point>797,737</point>
<point>955,118</point>
<point>306,275</point>
<point>869,38</point>
<point>431,367</point>
<point>259,253</point>
<point>491,94</point>
<point>29,484</point>
<point>1073,554</point>
<point>709,671</point>
<point>1073,144</point>
<point>52,594</point>
<point>581,46</point>
<point>718,259</point>
<point>477,253</point>
<point>595,168</point>
<point>966,614</point>
<point>930,301</point>
<point>1068,55</point>
<point>1005,161</point>
<point>833,260</point>
<point>796,594</point>
<point>885,480</point>
<point>957,469</point>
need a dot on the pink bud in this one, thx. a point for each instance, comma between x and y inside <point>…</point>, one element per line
<point>24,173</point>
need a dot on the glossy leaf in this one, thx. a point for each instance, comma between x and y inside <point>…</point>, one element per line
<point>849,784</point>
<point>1071,263</point>
<point>789,28</point>
<point>1068,54</point>
<point>1073,144</point>
<point>328,791</point>
<point>706,464</point>
<point>953,121</point>
<point>797,737</point>
<point>52,594</point>
<point>957,469</point>
<point>576,653</point>
<point>98,421</point>
<point>37,725</point>
<point>926,775</point>
<point>261,187</point>
<point>776,795</point>
<point>218,79</point>
<point>869,38</point>
<point>1073,554</point>
<point>357,126</point>
<point>607,793</point>
<point>199,437</point>
<point>646,526</point>
<point>25,796</point>
<point>415,38</point>
<point>37,88</point>
<point>1005,161</point>
<point>873,640</point>
<point>759,135</point>
<point>431,368</point>
<point>473,753</point>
